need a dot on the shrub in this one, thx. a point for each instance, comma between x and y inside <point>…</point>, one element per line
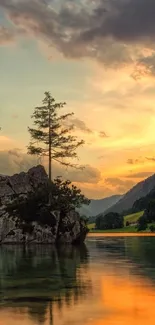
<point>152,228</point>
<point>142,223</point>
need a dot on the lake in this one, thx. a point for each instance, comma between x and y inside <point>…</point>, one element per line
<point>108,281</point>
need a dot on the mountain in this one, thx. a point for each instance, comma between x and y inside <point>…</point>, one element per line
<point>138,191</point>
<point>98,206</point>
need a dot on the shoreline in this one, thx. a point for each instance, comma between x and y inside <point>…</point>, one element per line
<point>120,234</point>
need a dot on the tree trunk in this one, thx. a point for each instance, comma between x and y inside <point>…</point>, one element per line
<point>50,148</point>
<point>50,158</point>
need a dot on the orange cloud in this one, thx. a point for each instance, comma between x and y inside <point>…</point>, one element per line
<point>5,142</point>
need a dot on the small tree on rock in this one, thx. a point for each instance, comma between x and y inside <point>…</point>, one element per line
<point>50,137</point>
<point>66,196</point>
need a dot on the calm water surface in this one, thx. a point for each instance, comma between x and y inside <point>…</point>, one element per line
<point>108,281</point>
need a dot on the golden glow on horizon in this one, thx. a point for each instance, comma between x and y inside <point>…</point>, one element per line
<point>121,107</point>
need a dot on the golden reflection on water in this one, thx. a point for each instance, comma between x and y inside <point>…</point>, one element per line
<point>9,317</point>
<point>121,300</point>
<point>120,295</point>
<point>116,300</point>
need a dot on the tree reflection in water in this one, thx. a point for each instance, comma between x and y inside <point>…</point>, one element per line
<point>35,277</point>
<point>137,251</point>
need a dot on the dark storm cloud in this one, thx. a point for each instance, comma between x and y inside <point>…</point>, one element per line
<point>124,20</point>
<point>97,29</point>
<point>41,19</point>
<point>144,66</point>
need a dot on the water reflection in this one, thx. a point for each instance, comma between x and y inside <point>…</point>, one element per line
<point>111,282</point>
<point>33,278</point>
<point>138,252</point>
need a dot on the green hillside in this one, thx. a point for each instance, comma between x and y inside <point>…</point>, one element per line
<point>91,226</point>
<point>133,217</point>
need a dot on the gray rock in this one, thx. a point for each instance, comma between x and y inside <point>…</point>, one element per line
<point>70,227</point>
<point>65,228</point>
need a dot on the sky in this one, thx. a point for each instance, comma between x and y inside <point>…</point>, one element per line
<point>97,56</point>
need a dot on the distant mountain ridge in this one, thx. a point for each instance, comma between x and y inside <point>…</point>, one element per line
<point>138,191</point>
<point>99,206</point>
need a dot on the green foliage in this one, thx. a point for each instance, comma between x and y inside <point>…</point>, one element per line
<point>91,226</point>
<point>150,211</point>
<point>132,218</point>
<point>29,209</point>
<point>27,228</point>
<point>91,219</point>
<point>66,196</point>
<point>111,220</point>
<point>50,137</point>
<point>152,228</point>
<point>142,203</point>
<point>130,229</point>
<point>142,223</point>
<point>84,218</point>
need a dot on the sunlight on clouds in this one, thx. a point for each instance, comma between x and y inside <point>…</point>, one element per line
<point>104,80</point>
<point>107,82</point>
<point>128,126</point>
<point>50,52</point>
<point>6,142</point>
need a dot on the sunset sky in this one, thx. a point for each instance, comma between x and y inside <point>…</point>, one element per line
<point>99,57</point>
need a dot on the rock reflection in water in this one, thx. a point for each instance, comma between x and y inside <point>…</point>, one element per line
<point>112,284</point>
<point>33,278</point>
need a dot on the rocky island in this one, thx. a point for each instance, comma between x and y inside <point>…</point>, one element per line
<point>27,217</point>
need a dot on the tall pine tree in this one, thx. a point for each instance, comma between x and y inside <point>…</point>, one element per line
<point>50,137</point>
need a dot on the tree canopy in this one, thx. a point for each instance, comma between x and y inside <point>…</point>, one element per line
<point>111,220</point>
<point>66,195</point>
<point>50,137</point>
<point>142,223</point>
